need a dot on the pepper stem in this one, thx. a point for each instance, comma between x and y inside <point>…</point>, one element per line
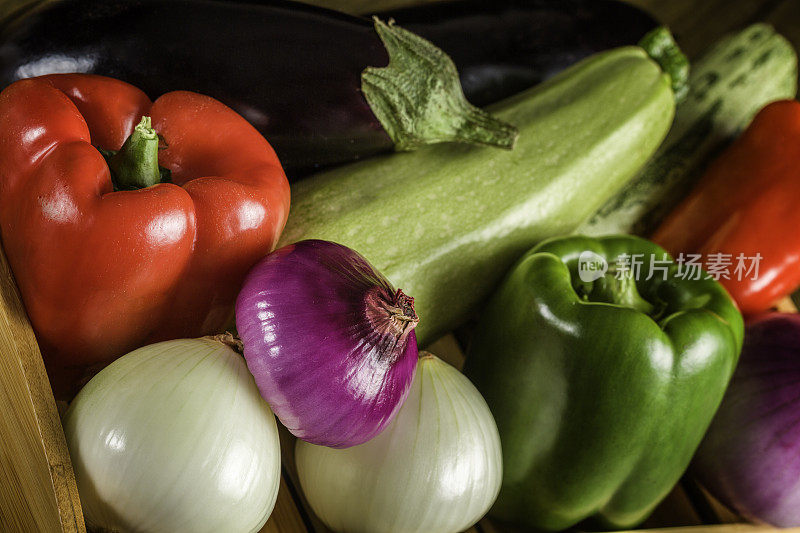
<point>135,166</point>
<point>619,290</point>
<point>662,48</point>
<point>418,98</point>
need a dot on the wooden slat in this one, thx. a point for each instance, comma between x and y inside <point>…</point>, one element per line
<point>285,518</point>
<point>722,514</point>
<point>721,528</point>
<point>698,24</point>
<point>786,305</point>
<point>675,510</point>
<point>448,350</point>
<point>37,485</point>
<point>287,455</point>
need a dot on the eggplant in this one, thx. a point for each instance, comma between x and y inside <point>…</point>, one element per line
<point>293,70</point>
<point>503,47</point>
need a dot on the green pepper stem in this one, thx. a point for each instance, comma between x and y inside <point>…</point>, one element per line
<point>135,166</point>
<point>619,290</point>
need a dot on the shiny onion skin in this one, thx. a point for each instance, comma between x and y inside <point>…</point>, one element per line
<point>750,457</point>
<point>330,342</point>
<point>436,469</point>
<point>172,438</point>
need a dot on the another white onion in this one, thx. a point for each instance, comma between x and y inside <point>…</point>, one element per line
<point>435,469</point>
<point>175,437</point>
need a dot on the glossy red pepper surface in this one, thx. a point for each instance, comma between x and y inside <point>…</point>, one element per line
<point>748,203</point>
<point>101,271</point>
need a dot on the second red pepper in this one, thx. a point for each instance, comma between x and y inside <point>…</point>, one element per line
<point>748,202</point>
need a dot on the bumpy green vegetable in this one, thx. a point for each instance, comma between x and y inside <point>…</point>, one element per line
<point>446,222</point>
<point>728,85</point>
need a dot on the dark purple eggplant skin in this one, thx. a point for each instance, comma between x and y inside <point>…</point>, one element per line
<point>502,47</point>
<point>294,71</point>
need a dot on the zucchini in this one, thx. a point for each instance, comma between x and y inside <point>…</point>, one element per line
<point>446,222</point>
<point>727,86</point>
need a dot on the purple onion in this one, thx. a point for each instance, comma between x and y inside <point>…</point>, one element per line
<point>330,342</point>
<point>750,458</point>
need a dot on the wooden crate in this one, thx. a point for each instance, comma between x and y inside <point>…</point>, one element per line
<point>37,485</point>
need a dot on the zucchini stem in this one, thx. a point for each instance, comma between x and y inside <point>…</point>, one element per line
<point>662,48</point>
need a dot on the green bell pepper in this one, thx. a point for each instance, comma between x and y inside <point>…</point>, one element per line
<point>602,382</point>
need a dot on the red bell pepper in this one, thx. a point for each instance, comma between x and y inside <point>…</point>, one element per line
<point>103,270</point>
<point>748,203</point>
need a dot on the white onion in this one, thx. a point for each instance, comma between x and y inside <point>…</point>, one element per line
<point>175,437</point>
<point>435,469</point>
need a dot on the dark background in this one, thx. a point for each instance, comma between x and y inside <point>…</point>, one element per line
<point>695,23</point>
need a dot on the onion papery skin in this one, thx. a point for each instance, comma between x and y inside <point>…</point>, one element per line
<point>329,341</point>
<point>174,437</point>
<point>750,457</point>
<point>437,468</point>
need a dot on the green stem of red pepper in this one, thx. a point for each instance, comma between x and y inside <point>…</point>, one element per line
<point>135,166</point>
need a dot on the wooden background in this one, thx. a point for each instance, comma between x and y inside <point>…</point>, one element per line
<point>695,24</point>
